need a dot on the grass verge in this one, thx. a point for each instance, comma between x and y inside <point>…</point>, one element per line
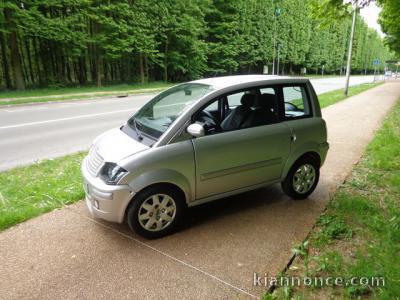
<point>77,93</point>
<point>358,236</point>
<point>29,191</point>
<point>26,192</point>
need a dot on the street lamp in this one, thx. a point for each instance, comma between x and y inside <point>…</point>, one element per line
<point>277,67</point>
<point>277,13</point>
<point>348,68</point>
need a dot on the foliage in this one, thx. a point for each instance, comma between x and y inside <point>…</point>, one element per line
<point>68,43</point>
<point>389,20</point>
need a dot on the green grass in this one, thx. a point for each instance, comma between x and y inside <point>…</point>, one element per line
<point>332,97</point>
<point>29,191</point>
<point>359,233</point>
<point>76,93</point>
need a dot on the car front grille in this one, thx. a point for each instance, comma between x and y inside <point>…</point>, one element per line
<point>94,161</point>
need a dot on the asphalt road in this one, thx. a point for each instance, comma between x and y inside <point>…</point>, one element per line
<point>30,133</point>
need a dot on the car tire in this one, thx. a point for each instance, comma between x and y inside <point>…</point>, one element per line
<point>302,178</point>
<point>156,211</point>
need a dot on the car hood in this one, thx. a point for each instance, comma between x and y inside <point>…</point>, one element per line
<point>114,145</point>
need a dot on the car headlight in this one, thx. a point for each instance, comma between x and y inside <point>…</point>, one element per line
<point>111,173</point>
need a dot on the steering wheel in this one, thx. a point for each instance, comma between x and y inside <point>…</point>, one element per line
<point>210,123</point>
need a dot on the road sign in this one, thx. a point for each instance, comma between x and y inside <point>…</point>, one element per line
<point>376,62</point>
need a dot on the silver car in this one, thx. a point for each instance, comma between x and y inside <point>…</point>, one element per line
<point>203,140</point>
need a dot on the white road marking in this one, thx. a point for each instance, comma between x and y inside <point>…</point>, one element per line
<point>67,119</point>
<point>23,109</point>
<point>49,105</point>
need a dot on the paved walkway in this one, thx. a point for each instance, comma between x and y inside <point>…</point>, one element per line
<point>66,254</point>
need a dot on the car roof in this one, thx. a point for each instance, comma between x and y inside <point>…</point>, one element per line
<point>230,81</point>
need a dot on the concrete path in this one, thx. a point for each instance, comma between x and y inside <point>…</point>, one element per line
<point>33,132</point>
<point>66,254</point>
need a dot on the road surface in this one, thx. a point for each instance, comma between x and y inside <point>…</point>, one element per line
<point>34,132</point>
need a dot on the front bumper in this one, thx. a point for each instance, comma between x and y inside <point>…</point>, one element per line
<point>104,201</point>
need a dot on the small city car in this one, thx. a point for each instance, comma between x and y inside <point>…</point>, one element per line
<point>203,140</point>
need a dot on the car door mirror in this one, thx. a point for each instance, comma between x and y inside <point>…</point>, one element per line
<point>196,130</point>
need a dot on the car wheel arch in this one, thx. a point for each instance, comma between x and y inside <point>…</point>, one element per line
<point>310,153</point>
<point>168,185</point>
<point>166,177</point>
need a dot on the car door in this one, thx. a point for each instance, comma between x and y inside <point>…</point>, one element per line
<point>298,115</point>
<point>230,160</point>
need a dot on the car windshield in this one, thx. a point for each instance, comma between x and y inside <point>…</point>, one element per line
<point>155,117</point>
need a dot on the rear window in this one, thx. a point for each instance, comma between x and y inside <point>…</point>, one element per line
<point>297,104</point>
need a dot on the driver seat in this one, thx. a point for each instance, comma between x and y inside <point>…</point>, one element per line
<point>237,117</point>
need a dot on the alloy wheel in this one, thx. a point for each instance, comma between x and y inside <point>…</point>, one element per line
<point>157,212</point>
<point>304,178</point>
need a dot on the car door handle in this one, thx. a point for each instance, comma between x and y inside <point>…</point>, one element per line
<point>293,137</point>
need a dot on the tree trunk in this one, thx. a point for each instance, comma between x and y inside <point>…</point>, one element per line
<point>165,60</point>
<point>53,67</point>
<point>15,56</point>
<point>37,61</point>
<point>99,69</point>
<point>69,71</point>
<point>16,62</point>
<point>146,68</point>
<point>25,71</point>
<point>141,68</point>
<point>6,71</point>
<point>81,74</point>
<point>28,54</point>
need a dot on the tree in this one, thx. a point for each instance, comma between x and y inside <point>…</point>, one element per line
<point>223,36</point>
<point>389,20</point>
<point>11,13</point>
<point>68,43</point>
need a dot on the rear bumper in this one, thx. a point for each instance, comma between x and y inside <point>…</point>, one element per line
<point>103,201</point>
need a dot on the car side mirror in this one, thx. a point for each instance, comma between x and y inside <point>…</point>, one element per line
<point>196,130</point>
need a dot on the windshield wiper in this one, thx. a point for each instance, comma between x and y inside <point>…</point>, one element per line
<point>138,132</point>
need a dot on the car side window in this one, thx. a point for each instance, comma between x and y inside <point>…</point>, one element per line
<point>296,102</point>
<point>213,107</point>
<point>209,117</point>
<point>267,90</point>
<point>239,110</point>
<point>234,99</point>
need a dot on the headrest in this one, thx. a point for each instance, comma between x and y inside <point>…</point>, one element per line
<point>267,100</point>
<point>248,100</point>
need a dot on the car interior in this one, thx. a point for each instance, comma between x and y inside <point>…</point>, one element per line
<point>226,114</point>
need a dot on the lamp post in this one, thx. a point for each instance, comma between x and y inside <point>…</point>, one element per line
<point>277,13</point>
<point>348,68</point>
<point>277,66</point>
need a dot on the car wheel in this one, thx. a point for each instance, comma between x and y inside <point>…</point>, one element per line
<point>155,211</point>
<point>302,178</point>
